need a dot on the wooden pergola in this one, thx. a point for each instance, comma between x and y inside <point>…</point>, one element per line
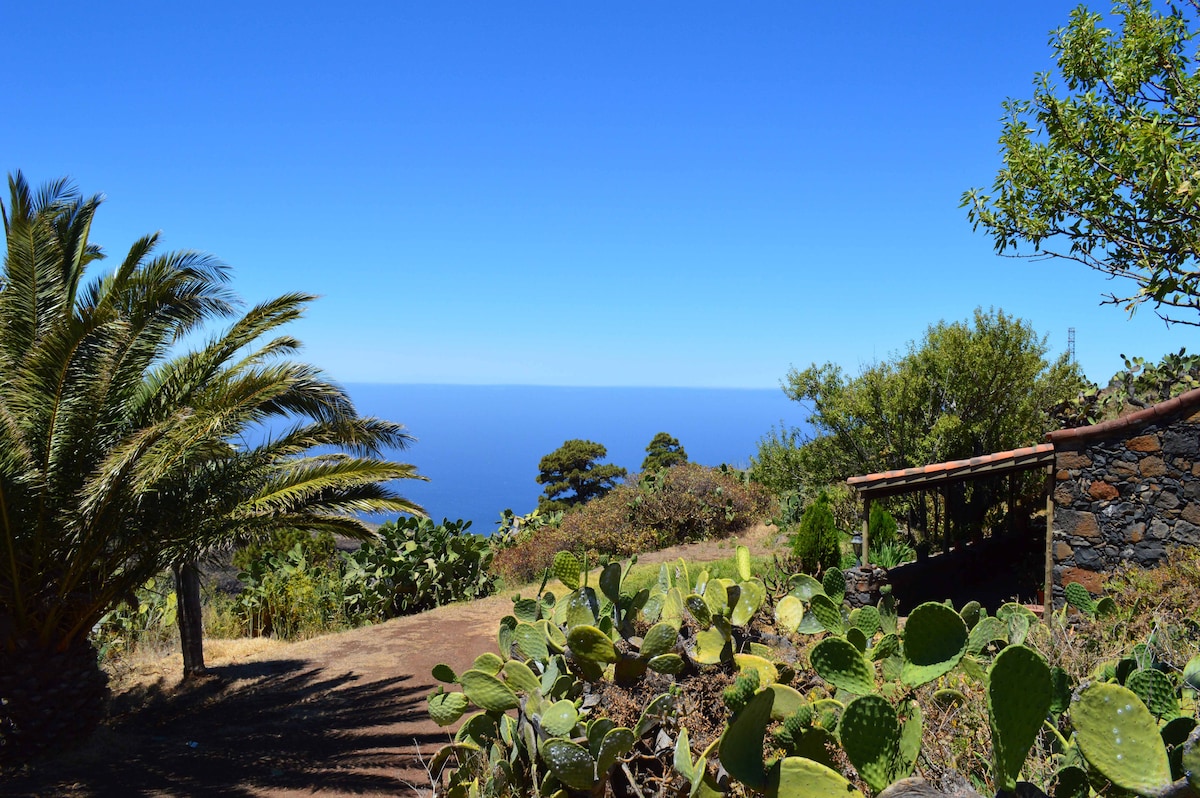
<point>937,475</point>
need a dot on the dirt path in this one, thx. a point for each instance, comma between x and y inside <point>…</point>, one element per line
<point>338,715</point>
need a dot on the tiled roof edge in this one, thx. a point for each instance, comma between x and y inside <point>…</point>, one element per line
<point>937,468</point>
<point>1163,409</point>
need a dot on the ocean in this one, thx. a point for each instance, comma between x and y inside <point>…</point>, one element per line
<point>480,445</point>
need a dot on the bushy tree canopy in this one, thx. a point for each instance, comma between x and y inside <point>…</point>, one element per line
<point>664,451</point>
<point>573,475</point>
<point>1106,171</point>
<point>964,390</point>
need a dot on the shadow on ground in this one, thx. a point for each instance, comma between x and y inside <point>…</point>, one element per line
<point>271,727</point>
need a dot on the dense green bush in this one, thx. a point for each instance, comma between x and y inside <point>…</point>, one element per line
<point>317,548</point>
<point>881,527</point>
<point>531,553</point>
<point>815,541</point>
<point>287,594</point>
<point>415,565</point>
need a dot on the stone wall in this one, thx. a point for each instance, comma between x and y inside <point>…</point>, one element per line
<point>1126,491</point>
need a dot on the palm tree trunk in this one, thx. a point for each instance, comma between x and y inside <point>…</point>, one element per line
<point>191,625</point>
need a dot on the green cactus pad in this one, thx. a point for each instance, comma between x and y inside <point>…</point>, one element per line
<point>1119,737</point>
<point>488,663</point>
<point>596,729</point>
<point>660,639</point>
<point>447,708</point>
<point>888,646</point>
<point>1190,760</point>
<point>971,612</point>
<point>741,747</point>
<point>1156,692</point>
<point>439,760</point>
<point>712,646</point>
<point>666,663</point>
<point>627,671</point>
<point>560,718</point>
<point>444,673</point>
<point>698,607</point>
<point>520,678</point>
<point>1078,597</point>
<point>804,587</point>
<point>567,569</point>
<point>531,641</point>
<point>610,582</point>
<point>653,713</point>
<point>569,762</point>
<point>504,635</point>
<point>556,641</point>
<point>804,778</point>
<point>753,594</point>
<point>588,642</point>
<point>949,697</point>
<point>809,625</point>
<point>674,607</point>
<point>789,612</point>
<point>856,638</point>
<point>479,729</point>
<point>581,608</point>
<point>716,597</point>
<point>1071,782</point>
<point>487,692</point>
<point>841,664</point>
<point>909,744</point>
<point>867,620</point>
<point>1175,733</point>
<point>682,760</point>
<point>526,610</point>
<point>833,582</point>
<point>787,701</point>
<point>869,731</point>
<point>617,742</point>
<point>828,613</point>
<point>1191,674</point>
<point>1019,695</point>
<point>1105,607</point>
<point>935,639</point>
<point>1060,681</point>
<point>743,563</point>
<point>767,674</point>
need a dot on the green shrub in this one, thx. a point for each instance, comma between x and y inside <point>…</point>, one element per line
<point>318,548</point>
<point>415,565</point>
<point>685,503</point>
<point>287,595</point>
<point>881,527</point>
<point>815,541</point>
<point>889,555</point>
<point>526,559</point>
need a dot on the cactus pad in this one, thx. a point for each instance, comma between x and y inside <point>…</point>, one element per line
<point>743,563</point>
<point>841,664</point>
<point>569,762</point>
<point>610,582</point>
<point>447,708</point>
<point>971,612</point>
<point>834,583</point>
<point>1019,695</point>
<point>659,639</point>
<point>560,718</point>
<point>1061,693</point>
<point>867,620</point>
<point>804,778</point>
<point>526,610</point>
<point>787,702</point>
<point>487,692</point>
<point>617,742</point>
<point>666,663</point>
<point>767,674</point>
<point>741,746</point>
<point>935,639</point>
<point>856,637</point>
<point>699,609</point>
<point>444,673</point>
<point>580,608</point>
<point>531,641</point>
<point>1071,782</point>
<point>1190,760</point>
<point>488,663</point>
<point>1079,598</point>
<point>1119,737</point>
<point>1105,607</point>
<point>1191,674</point>
<point>520,678</point>
<point>566,569</point>
<point>789,612</point>
<point>588,642</point>
<point>753,594</point>
<point>869,732</point>
<point>1156,692</point>
<point>711,646</point>
<point>828,613</point>
<point>804,587</point>
<point>888,646</point>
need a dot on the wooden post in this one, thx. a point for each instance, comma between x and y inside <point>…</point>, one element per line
<point>866,531</point>
<point>1048,599</point>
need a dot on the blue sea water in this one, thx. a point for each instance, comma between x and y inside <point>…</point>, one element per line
<point>480,445</point>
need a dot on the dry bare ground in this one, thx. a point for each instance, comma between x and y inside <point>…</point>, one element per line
<point>338,715</point>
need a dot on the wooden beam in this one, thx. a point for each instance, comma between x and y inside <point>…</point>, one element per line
<point>866,531</point>
<point>1048,591</point>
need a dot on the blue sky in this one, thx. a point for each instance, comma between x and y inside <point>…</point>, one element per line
<point>666,194</point>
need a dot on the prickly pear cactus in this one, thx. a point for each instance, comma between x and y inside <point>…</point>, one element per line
<point>935,639</point>
<point>1020,692</point>
<point>1119,738</point>
<point>1156,692</point>
<point>567,569</point>
<point>870,732</point>
<point>804,778</point>
<point>828,613</point>
<point>838,662</point>
<point>741,747</point>
<point>1079,598</point>
<point>834,583</point>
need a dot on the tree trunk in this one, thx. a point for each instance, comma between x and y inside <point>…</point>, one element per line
<point>191,625</point>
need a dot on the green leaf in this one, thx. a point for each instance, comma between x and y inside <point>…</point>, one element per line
<point>841,664</point>
<point>589,643</point>
<point>447,708</point>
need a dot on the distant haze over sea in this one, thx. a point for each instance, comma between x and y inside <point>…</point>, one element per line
<point>480,444</point>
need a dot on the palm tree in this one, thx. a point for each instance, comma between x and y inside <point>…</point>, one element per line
<point>121,456</point>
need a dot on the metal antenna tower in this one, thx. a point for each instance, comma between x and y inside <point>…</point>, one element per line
<point>1071,344</point>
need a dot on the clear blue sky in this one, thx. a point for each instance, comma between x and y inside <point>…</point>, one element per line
<point>573,193</point>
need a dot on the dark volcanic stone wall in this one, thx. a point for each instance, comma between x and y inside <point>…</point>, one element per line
<point>1128,495</point>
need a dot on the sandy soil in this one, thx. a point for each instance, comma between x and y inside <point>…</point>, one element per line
<point>338,715</point>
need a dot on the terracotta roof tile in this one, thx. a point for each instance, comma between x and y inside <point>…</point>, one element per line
<point>1170,407</point>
